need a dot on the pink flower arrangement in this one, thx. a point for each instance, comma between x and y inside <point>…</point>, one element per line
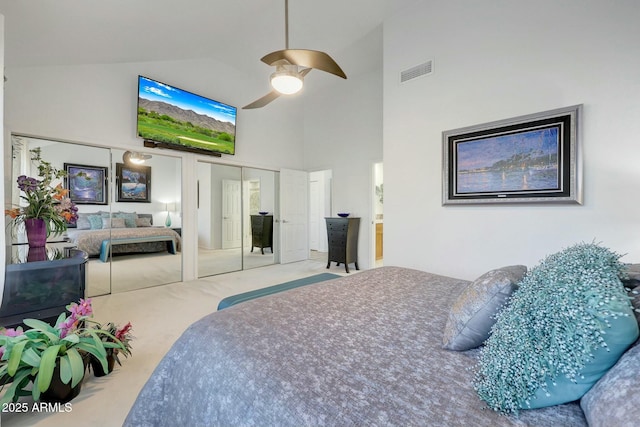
<point>78,312</point>
<point>121,334</point>
<point>10,332</point>
<point>28,358</point>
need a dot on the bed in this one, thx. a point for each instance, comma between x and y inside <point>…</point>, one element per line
<point>361,350</point>
<point>122,229</point>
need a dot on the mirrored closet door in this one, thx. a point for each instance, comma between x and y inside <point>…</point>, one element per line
<point>237,218</point>
<point>260,219</point>
<point>219,203</point>
<point>129,216</point>
<point>147,195</point>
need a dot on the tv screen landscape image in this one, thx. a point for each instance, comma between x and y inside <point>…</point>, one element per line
<point>179,119</point>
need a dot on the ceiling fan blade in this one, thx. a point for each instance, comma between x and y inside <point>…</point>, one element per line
<point>262,101</point>
<point>304,72</point>
<point>305,58</point>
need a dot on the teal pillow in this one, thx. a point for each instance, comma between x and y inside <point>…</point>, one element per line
<point>566,325</point>
<point>620,334</point>
<point>95,221</point>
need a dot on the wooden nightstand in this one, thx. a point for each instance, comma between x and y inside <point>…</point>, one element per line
<point>342,234</point>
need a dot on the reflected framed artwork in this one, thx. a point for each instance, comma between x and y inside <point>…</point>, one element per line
<point>87,185</point>
<point>527,159</point>
<point>133,183</point>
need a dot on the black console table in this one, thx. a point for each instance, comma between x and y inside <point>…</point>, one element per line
<point>343,241</point>
<point>262,232</point>
<point>41,282</point>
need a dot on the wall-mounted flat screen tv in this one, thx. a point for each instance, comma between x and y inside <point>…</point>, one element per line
<point>174,118</point>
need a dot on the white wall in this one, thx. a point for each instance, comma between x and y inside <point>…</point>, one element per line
<point>343,133</point>
<point>496,60</point>
<point>96,104</point>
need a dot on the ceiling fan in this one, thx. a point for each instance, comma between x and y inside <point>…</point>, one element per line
<point>292,65</point>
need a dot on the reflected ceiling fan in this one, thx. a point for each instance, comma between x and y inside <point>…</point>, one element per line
<point>291,67</point>
<point>134,158</point>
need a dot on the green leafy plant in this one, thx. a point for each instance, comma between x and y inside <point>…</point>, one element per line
<point>121,334</point>
<point>28,358</point>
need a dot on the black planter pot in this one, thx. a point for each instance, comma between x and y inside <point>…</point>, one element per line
<point>58,392</point>
<point>96,366</point>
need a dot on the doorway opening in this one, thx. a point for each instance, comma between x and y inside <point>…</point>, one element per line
<point>319,208</point>
<point>378,214</point>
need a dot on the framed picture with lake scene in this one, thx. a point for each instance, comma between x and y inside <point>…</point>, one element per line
<point>86,184</point>
<point>528,159</point>
<point>133,183</point>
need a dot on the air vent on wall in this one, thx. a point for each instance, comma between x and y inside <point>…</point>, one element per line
<point>417,71</point>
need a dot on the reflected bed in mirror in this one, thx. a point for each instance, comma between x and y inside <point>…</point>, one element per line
<point>101,234</point>
<point>139,262</point>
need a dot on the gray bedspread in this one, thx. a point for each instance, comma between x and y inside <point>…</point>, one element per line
<point>90,240</point>
<point>363,350</point>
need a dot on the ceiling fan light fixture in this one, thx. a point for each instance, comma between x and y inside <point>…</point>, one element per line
<point>287,82</point>
<point>292,65</point>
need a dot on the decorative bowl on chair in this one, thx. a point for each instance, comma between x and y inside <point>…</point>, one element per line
<point>343,214</point>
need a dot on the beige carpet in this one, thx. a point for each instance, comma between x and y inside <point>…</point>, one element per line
<point>130,272</point>
<point>159,315</point>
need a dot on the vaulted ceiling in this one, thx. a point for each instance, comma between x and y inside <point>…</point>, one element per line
<point>236,32</point>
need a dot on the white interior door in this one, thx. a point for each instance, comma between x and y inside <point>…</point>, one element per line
<point>294,214</point>
<point>231,214</point>
<point>314,217</point>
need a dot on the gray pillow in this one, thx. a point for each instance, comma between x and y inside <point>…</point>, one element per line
<point>113,223</point>
<point>632,286</point>
<point>614,400</point>
<point>633,271</point>
<point>473,313</point>
<point>129,218</point>
<point>143,222</point>
<point>83,222</point>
